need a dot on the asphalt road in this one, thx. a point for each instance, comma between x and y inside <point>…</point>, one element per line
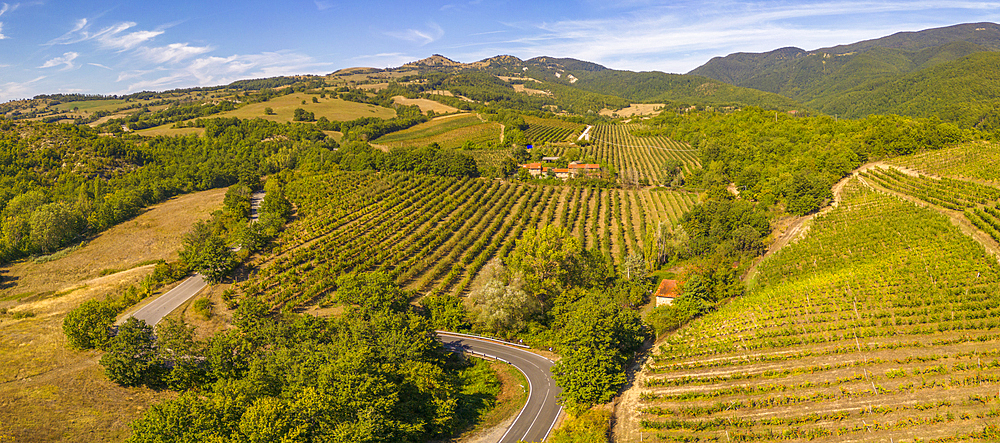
<point>166,303</point>
<point>540,412</point>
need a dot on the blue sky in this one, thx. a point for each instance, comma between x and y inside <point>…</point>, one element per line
<point>106,47</point>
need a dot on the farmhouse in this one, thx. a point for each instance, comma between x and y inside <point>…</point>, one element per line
<point>666,292</point>
<point>575,169</point>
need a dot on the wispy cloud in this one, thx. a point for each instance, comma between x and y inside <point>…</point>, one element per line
<point>173,52</point>
<point>66,59</point>
<point>100,66</point>
<point>111,37</point>
<point>222,70</point>
<point>420,37</point>
<point>384,60</point>
<point>18,90</point>
<point>323,5</point>
<point>678,39</point>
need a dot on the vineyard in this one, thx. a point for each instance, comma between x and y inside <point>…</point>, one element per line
<point>434,234</point>
<point>979,203</point>
<point>977,160</point>
<point>642,157</point>
<point>882,324</point>
<point>539,134</point>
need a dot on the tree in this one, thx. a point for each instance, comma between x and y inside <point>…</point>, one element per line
<point>545,258</point>
<point>89,325</point>
<point>132,358</point>
<point>268,111</point>
<point>51,226</point>
<point>371,290</point>
<point>207,253</point>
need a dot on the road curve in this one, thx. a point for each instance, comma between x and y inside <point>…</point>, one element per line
<point>539,414</point>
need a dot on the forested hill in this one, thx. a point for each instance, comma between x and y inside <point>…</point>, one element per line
<point>850,79</point>
<point>653,87</point>
<point>746,69</point>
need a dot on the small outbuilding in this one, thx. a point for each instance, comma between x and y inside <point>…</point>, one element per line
<point>666,292</point>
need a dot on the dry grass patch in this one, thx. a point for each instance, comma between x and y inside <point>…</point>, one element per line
<point>49,392</point>
<point>634,110</point>
<point>425,104</point>
<point>169,131</point>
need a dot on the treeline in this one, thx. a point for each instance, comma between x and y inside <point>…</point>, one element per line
<point>375,373</point>
<point>46,206</point>
<point>173,114</point>
<point>773,157</point>
<point>432,159</point>
<point>370,128</point>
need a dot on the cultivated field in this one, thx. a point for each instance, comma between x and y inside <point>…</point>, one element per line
<point>49,392</point>
<point>634,110</point>
<point>425,104</point>
<point>334,109</point>
<point>880,325</point>
<point>434,234</point>
<point>450,131</point>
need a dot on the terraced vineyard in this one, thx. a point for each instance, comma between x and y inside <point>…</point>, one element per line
<point>976,160</point>
<point>434,234</point>
<point>946,192</point>
<point>615,145</point>
<point>883,324</point>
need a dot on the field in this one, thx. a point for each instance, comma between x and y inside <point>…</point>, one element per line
<point>49,392</point>
<point>977,160</point>
<point>546,130</point>
<point>334,109</point>
<point>434,234</point>
<point>634,110</point>
<point>425,104</point>
<point>91,105</point>
<point>168,130</point>
<point>638,157</point>
<point>450,131</point>
<point>880,325</point>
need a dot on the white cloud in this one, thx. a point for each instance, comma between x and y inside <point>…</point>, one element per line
<point>173,52</point>
<point>66,59</point>
<point>2,36</point>
<point>420,37</point>
<point>323,5</point>
<point>18,90</point>
<point>223,70</point>
<point>384,60</point>
<point>100,66</point>
<point>127,41</point>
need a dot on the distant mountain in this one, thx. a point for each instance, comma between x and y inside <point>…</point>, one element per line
<point>825,76</point>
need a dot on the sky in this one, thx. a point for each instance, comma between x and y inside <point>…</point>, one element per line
<point>114,47</point>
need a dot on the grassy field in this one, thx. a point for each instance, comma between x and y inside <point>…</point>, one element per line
<point>331,108</point>
<point>449,131</point>
<point>977,160</point>
<point>880,325</point>
<point>91,105</point>
<point>49,392</point>
<point>634,110</point>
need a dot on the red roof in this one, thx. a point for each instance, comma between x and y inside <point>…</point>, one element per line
<point>585,166</point>
<point>667,288</point>
<point>532,166</point>
<point>558,170</point>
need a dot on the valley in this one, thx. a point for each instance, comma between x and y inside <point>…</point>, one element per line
<point>827,223</point>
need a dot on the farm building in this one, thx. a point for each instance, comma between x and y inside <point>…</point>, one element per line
<point>550,159</point>
<point>574,170</point>
<point>666,292</point>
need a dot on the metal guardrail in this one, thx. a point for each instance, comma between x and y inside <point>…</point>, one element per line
<point>497,340</point>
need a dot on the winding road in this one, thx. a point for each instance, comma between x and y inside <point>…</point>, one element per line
<point>539,414</point>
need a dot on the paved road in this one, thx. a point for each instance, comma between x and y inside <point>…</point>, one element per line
<point>539,414</point>
<point>166,303</point>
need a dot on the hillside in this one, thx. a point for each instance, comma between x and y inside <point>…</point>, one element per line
<point>828,79</point>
